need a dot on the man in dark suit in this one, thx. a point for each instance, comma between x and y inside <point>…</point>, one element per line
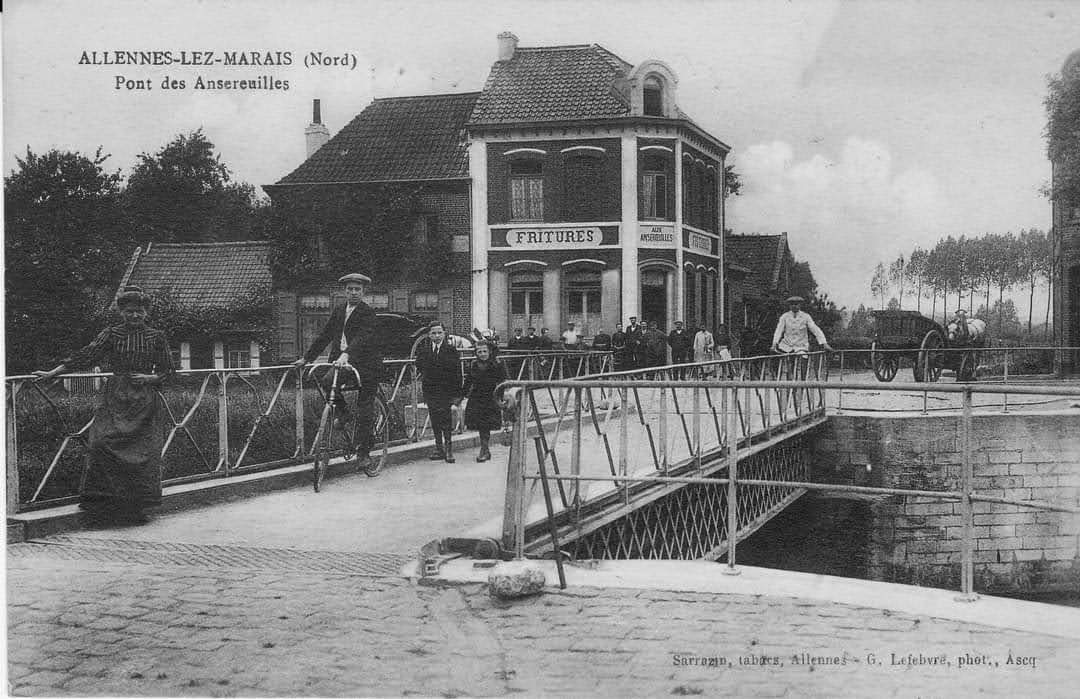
<point>439,364</point>
<point>635,344</point>
<point>350,334</point>
<point>681,343</point>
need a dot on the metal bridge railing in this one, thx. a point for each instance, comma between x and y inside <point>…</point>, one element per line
<point>581,494</point>
<point>220,422</point>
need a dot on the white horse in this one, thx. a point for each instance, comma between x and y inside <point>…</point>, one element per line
<point>967,333</point>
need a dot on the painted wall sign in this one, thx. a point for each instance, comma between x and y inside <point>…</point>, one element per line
<point>700,242</point>
<point>653,236</point>
<point>554,237</point>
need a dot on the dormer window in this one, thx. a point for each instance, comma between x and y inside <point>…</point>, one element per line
<point>653,97</point>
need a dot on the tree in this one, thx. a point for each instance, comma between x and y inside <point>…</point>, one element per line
<point>879,284</point>
<point>322,233</point>
<point>802,280</point>
<point>1034,263</point>
<point>185,193</point>
<point>732,181</point>
<point>65,248</point>
<point>861,323</point>
<point>1062,135</point>
<point>896,277</point>
<point>916,273</point>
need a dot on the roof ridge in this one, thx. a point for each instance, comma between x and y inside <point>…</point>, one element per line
<point>561,47</point>
<point>418,97</point>
<point>218,243</point>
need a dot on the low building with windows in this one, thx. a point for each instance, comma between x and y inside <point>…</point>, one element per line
<point>594,196</point>
<point>1065,236</point>
<point>214,298</point>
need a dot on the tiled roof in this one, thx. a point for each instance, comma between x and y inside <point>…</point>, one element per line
<point>396,138</point>
<point>202,275</point>
<point>762,254</point>
<point>554,83</point>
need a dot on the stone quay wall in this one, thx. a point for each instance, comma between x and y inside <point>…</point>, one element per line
<point>918,539</point>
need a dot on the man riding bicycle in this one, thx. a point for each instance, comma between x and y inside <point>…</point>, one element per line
<point>791,330</point>
<point>350,334</point>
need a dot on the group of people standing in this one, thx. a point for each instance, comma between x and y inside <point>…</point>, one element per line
<point>644,345</point>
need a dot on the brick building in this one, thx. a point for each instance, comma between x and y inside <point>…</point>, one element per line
<point>1065,233</point>
<point>594,196</point>
<point>416,143</point>
<point>759,270</point>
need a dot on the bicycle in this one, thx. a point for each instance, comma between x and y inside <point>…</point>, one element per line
<point>337,434</point>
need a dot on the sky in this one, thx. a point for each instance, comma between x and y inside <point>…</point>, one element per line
<point>862,129</point>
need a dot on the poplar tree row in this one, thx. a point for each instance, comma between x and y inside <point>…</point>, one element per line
<point>960,272</point>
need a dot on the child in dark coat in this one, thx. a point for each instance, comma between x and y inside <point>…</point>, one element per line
<point>483,412</point>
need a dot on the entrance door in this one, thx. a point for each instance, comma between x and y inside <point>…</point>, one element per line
<point>654,297</point>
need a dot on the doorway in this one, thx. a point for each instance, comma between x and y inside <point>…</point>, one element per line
<point>654,297</point>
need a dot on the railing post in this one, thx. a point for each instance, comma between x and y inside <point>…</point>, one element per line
<point>967,564</point>
<point>223,422</point>
<point>1005,396</point>
<point>697,427</point>
<point>624,461</point>
<point>663,426</point>
<point>414,397</point>
<point>299,413</point>
<point>840,393</point>
<point>732,495</point>
<point>514,508</point>
<point>12,451</point>
<point>575,447</point>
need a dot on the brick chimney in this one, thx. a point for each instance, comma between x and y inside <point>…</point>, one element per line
<point>316,133</point>
<point>507,45</point>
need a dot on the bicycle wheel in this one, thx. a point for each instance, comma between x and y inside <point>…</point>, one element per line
<point>324,449</point>
<point>380,436</point>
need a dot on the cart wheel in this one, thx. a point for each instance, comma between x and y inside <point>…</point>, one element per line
<point>928,361</point>
<point>885,363</point>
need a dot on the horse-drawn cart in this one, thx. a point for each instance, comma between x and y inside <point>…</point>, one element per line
<point>910,334</point>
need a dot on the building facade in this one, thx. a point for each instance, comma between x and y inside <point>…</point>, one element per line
<point>1065,233</point>
<point>572,188</point>
<point>594,197</point>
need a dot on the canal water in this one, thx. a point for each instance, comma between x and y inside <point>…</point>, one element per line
<point>831,535</point>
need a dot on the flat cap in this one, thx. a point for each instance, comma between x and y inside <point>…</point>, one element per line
<point>795,299</point>
<point>355,277</point>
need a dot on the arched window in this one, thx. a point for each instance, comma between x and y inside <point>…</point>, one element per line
<point>653,96</point>
<point>583,198</point>
<point>581,290</point>
<point>526,300</point>
<point>526,190</point>
<point>654,187</point>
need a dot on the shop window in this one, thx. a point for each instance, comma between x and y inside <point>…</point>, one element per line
<point>426,302</point>
<point>526,190</point>
<point>710,200</point>
<point>583,197</point>
<point>653,97</point>
<point>238,355</point>
<point>379,300</point>
<point>526,301</point>
<point>314,313</point>
<point>582,295</point>
<point>654,188</point>
<point>691,310</point>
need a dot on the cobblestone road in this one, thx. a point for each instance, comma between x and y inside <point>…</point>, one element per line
<point>84,626</point>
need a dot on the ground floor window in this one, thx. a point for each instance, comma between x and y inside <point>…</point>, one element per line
<point>238,355</point>
<point>425,302</point>
<point>582,294</point>
<point>526,302</point>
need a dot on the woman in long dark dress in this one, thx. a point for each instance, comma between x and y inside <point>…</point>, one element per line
<point>123,461</point>
<point>482,412</point>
